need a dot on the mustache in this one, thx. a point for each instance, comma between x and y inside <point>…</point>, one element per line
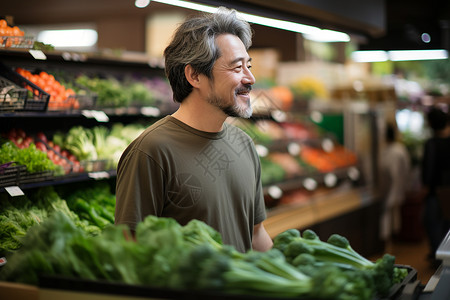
<point>246,88</point>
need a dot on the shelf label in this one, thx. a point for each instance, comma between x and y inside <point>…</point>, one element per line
<point>98,115</point>
<point>99,175</point>
<point>38,54</point>
<point>14,191</point>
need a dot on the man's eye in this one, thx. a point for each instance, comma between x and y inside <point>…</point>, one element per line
<point>249,66</point>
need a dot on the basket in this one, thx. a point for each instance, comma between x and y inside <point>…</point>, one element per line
<point>12,97</point>
<point>10,175</point>
<point>37,99</point>
<point>27,177</point>
<point>23,42</point>
<point>95,165</point>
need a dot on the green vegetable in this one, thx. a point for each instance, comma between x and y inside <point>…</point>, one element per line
<point>35,160</point>
<point>335,253</point>
<point>206,268</point>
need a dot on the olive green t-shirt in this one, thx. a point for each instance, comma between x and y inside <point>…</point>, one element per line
<point>173,170</point>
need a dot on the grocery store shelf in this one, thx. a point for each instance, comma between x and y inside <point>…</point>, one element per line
<point>71,178</point>
<point>128,60</point>
<point>323,206</point>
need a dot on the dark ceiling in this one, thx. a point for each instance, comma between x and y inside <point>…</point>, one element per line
<point>398,23</point>
<point>408,20</point>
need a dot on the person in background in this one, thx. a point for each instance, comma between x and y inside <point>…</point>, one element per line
<point>192,164</point>
<point>435,175</point>
<point>395,170</point>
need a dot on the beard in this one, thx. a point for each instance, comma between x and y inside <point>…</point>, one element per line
<point>237,110</point>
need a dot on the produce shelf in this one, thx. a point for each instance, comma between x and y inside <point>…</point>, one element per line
<point>56,287</point>
<point>75,177</point>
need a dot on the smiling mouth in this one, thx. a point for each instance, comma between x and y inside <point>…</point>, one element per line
<point>244,91</point>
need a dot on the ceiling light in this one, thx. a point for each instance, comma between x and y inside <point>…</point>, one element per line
<point>369,56</point>
<point>141,3</point>
<point>313,32</point>
<point>399,55</point>
<point>68,37</point>
<point>426,38</point>
<point>326,35</point>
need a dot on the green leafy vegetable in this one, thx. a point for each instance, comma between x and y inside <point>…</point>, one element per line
<point>334,257</point>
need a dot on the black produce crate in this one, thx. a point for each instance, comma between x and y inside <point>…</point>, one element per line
<point>27,177</point>
<point>11,175</point>
<point>121,289</point>
<point>12,97</point>
<point>37,99</point>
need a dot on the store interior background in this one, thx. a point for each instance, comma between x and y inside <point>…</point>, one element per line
<point>399,91</point>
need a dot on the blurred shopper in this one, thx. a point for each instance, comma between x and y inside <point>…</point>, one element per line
<point>436,179</point>
<point>394,174</point>
<point>192,164</point>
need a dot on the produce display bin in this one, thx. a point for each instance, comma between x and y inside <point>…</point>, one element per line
<point>96,165</point>
<point>22,42</point>
<point>28,177</point>
<point>11,175</point>
<point>37,99</point>
<point>12,97</point>
<point>63,286</point>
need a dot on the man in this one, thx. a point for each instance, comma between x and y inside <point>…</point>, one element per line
<point>395,169</point>
<point>193,165</point>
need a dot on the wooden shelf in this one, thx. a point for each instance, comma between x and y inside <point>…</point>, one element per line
<point>319,208</point>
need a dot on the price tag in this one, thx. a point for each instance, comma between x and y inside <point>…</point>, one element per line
<point>38,54</point>
<point>98,115</point>
<point>150,111</point>
<point>14,191</point>
<point>99,175</point>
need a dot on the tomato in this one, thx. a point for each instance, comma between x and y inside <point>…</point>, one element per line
<point>41,147</point>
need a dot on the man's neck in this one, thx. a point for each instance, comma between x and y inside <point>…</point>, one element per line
<point>200,115</point>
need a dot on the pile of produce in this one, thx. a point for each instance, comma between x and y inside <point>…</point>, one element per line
<point>99,142</point>
<point>90,209</point>
<point>10,36</point>
<point>112,92</point>
<point>38,153</point>
<point>61,97</point>
<point>34,159</point>
<point>165,254</point>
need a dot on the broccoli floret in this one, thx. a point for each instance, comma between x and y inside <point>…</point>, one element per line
<point>295,248</point>
<point>399,275</point>
<point>282,240</point>
<point>339,241</point>
<point>383,274</point>
<point>310,235</point>
<point>332,282</point>
<point>338,252</point>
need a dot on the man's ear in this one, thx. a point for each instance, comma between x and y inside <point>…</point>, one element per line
<point>192,76</point>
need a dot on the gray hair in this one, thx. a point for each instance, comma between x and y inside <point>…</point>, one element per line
<point>194,44</point>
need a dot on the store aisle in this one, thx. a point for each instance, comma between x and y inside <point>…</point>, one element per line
<point>413,254</point>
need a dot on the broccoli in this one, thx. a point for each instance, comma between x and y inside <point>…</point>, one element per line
<point>336,251</point>
<point>206,268</point>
